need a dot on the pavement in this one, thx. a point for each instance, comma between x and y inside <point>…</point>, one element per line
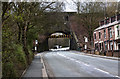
<point>35,69</point>
<point>72,64</point>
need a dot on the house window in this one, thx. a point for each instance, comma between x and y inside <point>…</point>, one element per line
<point>99,35</point>
<point>100,45</point>
<point>111,45</point>
<point>118,17</point>
<point>112,19</point>
<point>118,31</point>
<point>96,46</point>
<point>101,23</point>
<point>110,32</point>
<point>95,36</point>
<point>104,33</point>
<point>105,45</point>
<point>107,21</point>
<point>118,46</point>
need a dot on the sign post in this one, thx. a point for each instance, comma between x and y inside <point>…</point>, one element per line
<point>86,40</point>
<point>36,42</point>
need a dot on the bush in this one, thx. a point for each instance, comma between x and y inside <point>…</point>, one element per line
<point>8,70</point>
<point>14,61</point>
<point>31,54</point>
<point>20,56</point>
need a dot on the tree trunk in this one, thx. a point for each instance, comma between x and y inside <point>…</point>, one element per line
<point>19,35</point>
<point>24,42</point>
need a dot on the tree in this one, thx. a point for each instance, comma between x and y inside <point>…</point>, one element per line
<point>90,13</point>
<point>21,24</point>
<point>28,16</point>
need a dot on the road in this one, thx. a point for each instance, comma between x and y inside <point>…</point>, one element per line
<point>74,64</point>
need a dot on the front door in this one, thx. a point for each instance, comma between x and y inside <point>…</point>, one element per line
<point>118,46</point>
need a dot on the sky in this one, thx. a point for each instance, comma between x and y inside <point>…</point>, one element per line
<point>69,4</point>
<point>71,7</point>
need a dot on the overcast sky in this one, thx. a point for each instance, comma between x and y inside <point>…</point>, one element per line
<point>70,6</point>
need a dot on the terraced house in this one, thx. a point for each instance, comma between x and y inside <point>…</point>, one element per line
<point>107,36</point>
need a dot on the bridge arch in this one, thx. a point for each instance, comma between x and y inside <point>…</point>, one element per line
<point>59,38</point>
<point>44,46</point>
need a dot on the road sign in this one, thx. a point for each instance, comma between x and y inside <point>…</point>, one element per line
<point>86,39</point>
<point>36,41</point>
<point>60,36</point>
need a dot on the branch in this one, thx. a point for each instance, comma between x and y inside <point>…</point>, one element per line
<point>5,18</point>
<point>74,2</point>
<point>30,27</point>
<point>48,6</point>
<point>5,7</point>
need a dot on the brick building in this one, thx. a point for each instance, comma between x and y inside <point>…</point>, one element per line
<point>107,36</point>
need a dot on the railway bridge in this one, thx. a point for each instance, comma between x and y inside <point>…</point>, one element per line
<point>64,39</point>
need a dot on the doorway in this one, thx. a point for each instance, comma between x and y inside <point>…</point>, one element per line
<point>119,46</point>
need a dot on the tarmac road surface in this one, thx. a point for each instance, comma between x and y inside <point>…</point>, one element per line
<point>72,64</point>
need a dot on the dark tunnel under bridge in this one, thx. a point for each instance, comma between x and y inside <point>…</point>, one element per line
<point>66,39</point>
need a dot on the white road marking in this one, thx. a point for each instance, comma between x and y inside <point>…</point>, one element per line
<point>74,60</point>
<point>85,64</point>
<point>102,70</point>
